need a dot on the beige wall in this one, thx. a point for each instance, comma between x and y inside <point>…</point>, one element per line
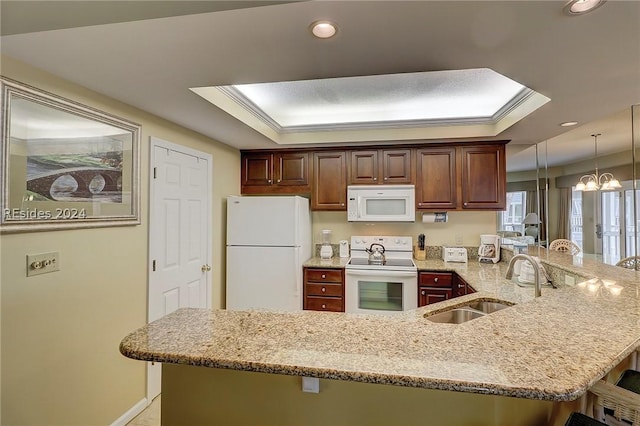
<point>60,332</point>
<point>199,395</point>
<point>467,225</point>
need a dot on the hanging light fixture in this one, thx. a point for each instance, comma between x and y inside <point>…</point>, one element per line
<point>595,181</point>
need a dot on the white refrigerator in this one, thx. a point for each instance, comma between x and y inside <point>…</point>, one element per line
<point>268,240</point>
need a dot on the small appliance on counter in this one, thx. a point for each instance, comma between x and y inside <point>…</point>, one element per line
<point>454,254</point>
<point>489,250</point>
<point>326,251</point>
<point>344,248</point>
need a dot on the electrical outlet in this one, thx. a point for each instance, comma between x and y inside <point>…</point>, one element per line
<point>569,280</point>
<point>310,384</point>
<point>43,263</point>
<point>458,239</point>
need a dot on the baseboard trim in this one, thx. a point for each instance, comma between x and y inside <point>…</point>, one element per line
<point>131,413</point>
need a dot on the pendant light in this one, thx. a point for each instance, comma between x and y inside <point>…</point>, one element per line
<point>595,181</point>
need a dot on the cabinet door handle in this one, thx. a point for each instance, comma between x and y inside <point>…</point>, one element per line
<point>269,180</point>
<point>424,293</point>
<point>324,290</point>
<point>386,178</point>
<point>324,276</point>
<point>278,181</point>
<point>342,205</point>
<point>375,178</point>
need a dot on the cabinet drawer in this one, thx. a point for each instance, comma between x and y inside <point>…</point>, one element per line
<point>435,279</point>
<point>314,289</point>
<point>427,295</point>
<point>324,275</point>
<point>332,304</point>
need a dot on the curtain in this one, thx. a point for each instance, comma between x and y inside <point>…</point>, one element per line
<point>564,219</point>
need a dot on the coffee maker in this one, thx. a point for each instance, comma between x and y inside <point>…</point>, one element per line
<point>326,251</point>
<point>489,250</point>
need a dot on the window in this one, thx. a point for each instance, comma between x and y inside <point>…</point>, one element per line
<point>576,217</point>
<point>511,219</point>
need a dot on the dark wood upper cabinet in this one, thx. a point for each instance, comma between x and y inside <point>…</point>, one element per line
<point>436,186</point>
<point>329,181</point>
<point>275,172</point>
<point>256,169</point>
<point>364,167</point>
<point>484,177</point>
<point>383,166</point>
<point>292,168</point>
<point>456,176</point>
<point>396,166</point>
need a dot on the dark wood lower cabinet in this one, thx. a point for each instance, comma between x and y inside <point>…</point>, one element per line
<point>323,289</point>
<point>429,295</point>
<point>434,287</point>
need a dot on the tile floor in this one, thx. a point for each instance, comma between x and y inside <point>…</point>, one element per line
<point>149,417</point>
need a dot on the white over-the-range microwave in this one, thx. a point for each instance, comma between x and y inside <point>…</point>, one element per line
<point>381,203</point>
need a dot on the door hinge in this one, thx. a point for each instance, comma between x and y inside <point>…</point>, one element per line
<point>153,265</point>
<point>155,170</point>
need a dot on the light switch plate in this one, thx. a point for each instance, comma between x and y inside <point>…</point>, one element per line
<point>43,263</point>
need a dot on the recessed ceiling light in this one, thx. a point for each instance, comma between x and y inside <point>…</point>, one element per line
<point>579,7</point>
<point>323,29</point>
<point>568,123</point>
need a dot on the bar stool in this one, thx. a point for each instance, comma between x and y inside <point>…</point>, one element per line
<point>618,404</point>
<point>578,419</point>
<point>631,262</point>
<point>565,246</point>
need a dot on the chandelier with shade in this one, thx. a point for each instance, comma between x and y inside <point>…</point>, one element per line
<point>595,181</point>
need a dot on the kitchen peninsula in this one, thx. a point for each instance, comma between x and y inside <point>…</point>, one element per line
<point>520,365</point>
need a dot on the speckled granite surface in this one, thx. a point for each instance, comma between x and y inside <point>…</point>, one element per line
<point>553,347</point>
<point>334,262</point>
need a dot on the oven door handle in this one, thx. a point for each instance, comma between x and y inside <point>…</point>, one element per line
<point>378,273</point>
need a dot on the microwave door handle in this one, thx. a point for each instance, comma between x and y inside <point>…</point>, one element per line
<point>360,207</point>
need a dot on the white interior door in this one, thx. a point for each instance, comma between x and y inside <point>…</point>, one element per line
<point>179,235</point>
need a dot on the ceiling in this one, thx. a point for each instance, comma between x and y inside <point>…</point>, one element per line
<point>589,66</point>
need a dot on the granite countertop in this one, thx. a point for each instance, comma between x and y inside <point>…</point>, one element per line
<point>334,263</point>
<point>553,347</point>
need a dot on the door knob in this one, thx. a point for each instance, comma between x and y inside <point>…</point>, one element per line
<point>205,268</point>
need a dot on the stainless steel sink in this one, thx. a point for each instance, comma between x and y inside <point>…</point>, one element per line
<point>467,312</point>
<point>487,307</point>
<point>456,316</point>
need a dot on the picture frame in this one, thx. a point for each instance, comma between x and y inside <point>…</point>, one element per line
<point>65,165</point>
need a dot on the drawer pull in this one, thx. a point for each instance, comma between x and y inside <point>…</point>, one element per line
<point>435,280</point>
<point>324,290</point>
<point>324,276</point>
<point>324,306</point>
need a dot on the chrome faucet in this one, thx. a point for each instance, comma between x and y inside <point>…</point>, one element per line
<point>536,271</point>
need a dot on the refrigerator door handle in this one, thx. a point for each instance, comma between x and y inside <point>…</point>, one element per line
<point>298,280</point>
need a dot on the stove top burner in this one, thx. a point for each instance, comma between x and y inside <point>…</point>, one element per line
<point>387,263</point>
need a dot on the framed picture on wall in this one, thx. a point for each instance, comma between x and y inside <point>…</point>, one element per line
<point>65,165</point>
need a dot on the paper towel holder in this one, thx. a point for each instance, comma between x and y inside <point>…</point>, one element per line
<point>436,217</point>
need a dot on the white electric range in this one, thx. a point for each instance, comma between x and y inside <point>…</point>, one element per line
<point>386,288</point>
